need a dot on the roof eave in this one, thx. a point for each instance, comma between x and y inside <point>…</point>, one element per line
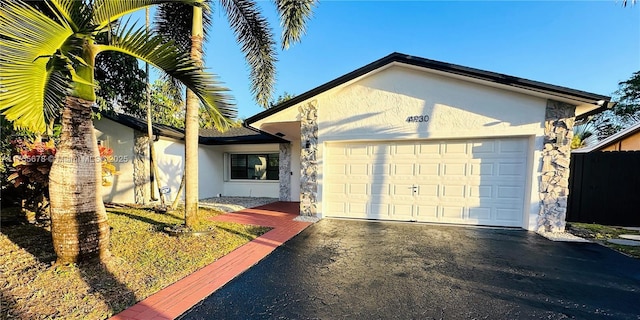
<point>443,67</point>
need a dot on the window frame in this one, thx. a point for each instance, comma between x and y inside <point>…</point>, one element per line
<point>270,170</point>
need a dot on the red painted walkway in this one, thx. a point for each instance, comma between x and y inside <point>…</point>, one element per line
<point>177,298</point>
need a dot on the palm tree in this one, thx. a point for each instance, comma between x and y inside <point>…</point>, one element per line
<point>253,32</point>
<point>47,63</point>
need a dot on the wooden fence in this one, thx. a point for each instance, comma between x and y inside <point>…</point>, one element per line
<point>605,188</point>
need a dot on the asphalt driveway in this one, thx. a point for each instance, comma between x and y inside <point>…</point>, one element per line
<point>338,269</point>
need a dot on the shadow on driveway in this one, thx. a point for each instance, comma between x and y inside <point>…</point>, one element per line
<point>338,269</point>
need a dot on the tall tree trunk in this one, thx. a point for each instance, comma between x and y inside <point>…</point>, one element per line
<point>152,152</point>
<point>78,219</point>
<point>192,126</point>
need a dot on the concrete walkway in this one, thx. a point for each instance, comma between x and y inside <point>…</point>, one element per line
<point>177,298</point>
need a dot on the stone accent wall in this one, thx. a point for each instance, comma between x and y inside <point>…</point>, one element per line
<point>285,171</point>
<point>141,167</point>
<point>556,155</point>
<point>308,161</point>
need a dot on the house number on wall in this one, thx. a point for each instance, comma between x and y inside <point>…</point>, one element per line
<point>423,118</point>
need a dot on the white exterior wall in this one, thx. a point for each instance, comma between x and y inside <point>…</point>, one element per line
<point>376,108</point>
<point>170,163</point>
<point>120,139</point>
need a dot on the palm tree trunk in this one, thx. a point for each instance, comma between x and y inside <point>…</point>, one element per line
<point>192,126</point>
<point>152,152</point>
<point>78,218</point>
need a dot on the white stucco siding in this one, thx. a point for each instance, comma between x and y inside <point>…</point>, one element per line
<point>170,162</point>
<point>210,172</point>
<point>381,103</point>
<point>377,107</point>
<point>170,154</point>
<point>119,138</point>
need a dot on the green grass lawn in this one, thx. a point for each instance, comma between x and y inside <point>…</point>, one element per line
<point>144,260</point>
<point>600,233</point>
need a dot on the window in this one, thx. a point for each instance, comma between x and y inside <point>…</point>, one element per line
<point>255,166</point>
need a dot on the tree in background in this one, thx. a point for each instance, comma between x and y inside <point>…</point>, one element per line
<point>626,111</point>
<point>120,83</point>
<point>280,99</point>
<point>48,71</point>
<point>186,27</point>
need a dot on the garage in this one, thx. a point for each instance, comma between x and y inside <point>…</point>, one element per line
<point>406,138</point>
<point>478,181</point>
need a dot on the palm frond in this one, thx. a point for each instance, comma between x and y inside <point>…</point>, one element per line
<point>167,57</point>
<point>105,11</point>
<point>254,34</point>
<point>32,87</point>
<point>174,21</point>
<point>76,13</point>
<point>294,15</point>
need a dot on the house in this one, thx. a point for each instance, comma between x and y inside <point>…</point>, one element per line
<point>625,140</point>
<point>127,136</point>
<point>411,139</point>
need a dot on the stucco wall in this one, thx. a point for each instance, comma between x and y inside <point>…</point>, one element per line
<point>376,108</point>
<point>630,143</point>
<point>170,154</point>
<point>119,138</point>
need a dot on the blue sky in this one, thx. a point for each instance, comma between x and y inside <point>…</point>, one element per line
<point>585,45</point>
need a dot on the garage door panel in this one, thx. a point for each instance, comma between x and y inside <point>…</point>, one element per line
<point>452,213</point>
<point>430,150</point>
<point>508,214</point>
<point>378,190</point>
<point>454,169</point>
<point>426,213</point>
<point>379,211</point>
<point>428,169</point>
<point>509,192</point>
<point>402,189</point>
<point>455,149</point>
<point>404,169</point>
<point>477,181</point>
<point>481,192</point>
<point>512,146</point>
<point>482,169</point>
<point>336,188</point>
<point>337,207</point>
<point>401,212</point>
<point>510,169</point>
<point>358,169</point>
<point>485,147</point>
<point>480,213</point>
<point>428,190</point>
<point>380,170</point>
<point>405,150</point>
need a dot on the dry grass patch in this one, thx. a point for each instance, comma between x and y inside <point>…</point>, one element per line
<point>144,261</point>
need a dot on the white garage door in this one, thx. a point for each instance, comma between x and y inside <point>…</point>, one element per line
<point>452,181</point>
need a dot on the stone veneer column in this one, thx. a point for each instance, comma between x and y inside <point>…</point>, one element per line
<point>140,166</point>
<point>285,171</point>
<point>308,162</point>
<point>556,156</point>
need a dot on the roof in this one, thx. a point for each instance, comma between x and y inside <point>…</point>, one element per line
<point>611,139</point>
<point>444,67</point>
<point>236,135</point>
